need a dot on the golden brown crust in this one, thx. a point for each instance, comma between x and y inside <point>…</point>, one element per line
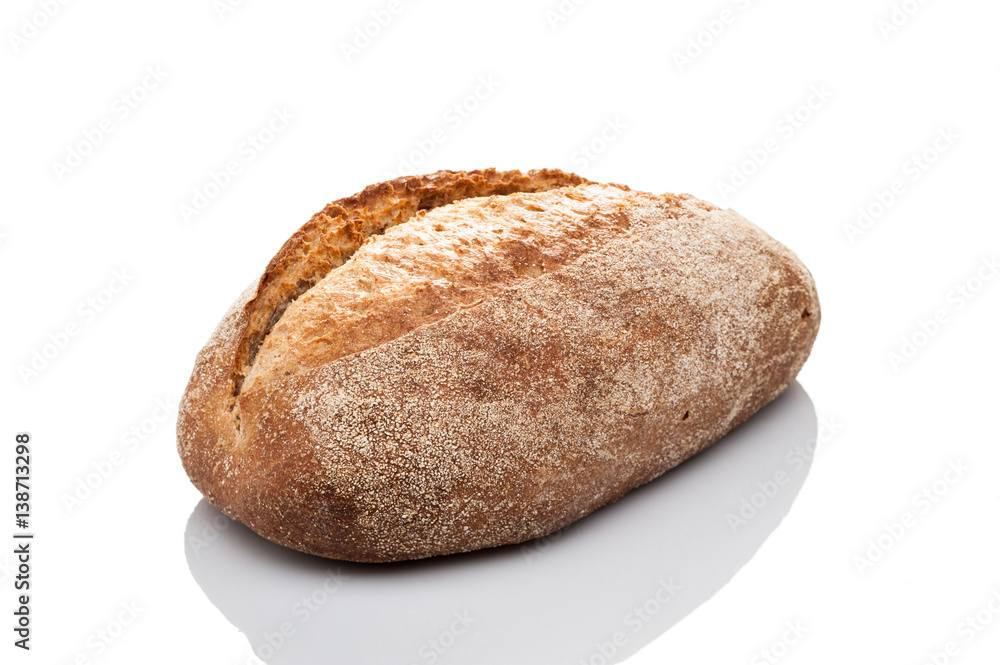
<point>510,419</point>
<point>332,235</point>
<point>420,272</point>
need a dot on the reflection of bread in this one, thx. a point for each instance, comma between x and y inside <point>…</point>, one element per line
<point>461,360</point>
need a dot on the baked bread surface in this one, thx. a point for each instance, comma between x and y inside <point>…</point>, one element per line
<point>462,360</point>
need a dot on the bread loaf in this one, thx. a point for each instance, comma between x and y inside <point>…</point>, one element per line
<point>463,360</point>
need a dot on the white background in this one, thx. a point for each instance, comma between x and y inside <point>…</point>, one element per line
<point>605,75</point>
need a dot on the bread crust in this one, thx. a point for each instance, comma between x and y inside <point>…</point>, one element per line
<point>510,419</point>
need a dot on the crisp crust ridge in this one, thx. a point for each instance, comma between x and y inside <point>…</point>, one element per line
<point>332,235</point>
<point>451,257</point>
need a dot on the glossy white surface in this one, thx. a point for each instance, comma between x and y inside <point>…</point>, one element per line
<point>106,248</point>
<point>667,544</point>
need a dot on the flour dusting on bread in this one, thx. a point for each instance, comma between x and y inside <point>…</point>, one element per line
<point>489,368</point>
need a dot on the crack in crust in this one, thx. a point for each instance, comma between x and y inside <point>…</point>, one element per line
<point>440,261</point>
<point>329,239</point>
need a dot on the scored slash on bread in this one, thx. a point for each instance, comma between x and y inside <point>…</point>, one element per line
<point>462,360</point>
<point>329,239</point>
